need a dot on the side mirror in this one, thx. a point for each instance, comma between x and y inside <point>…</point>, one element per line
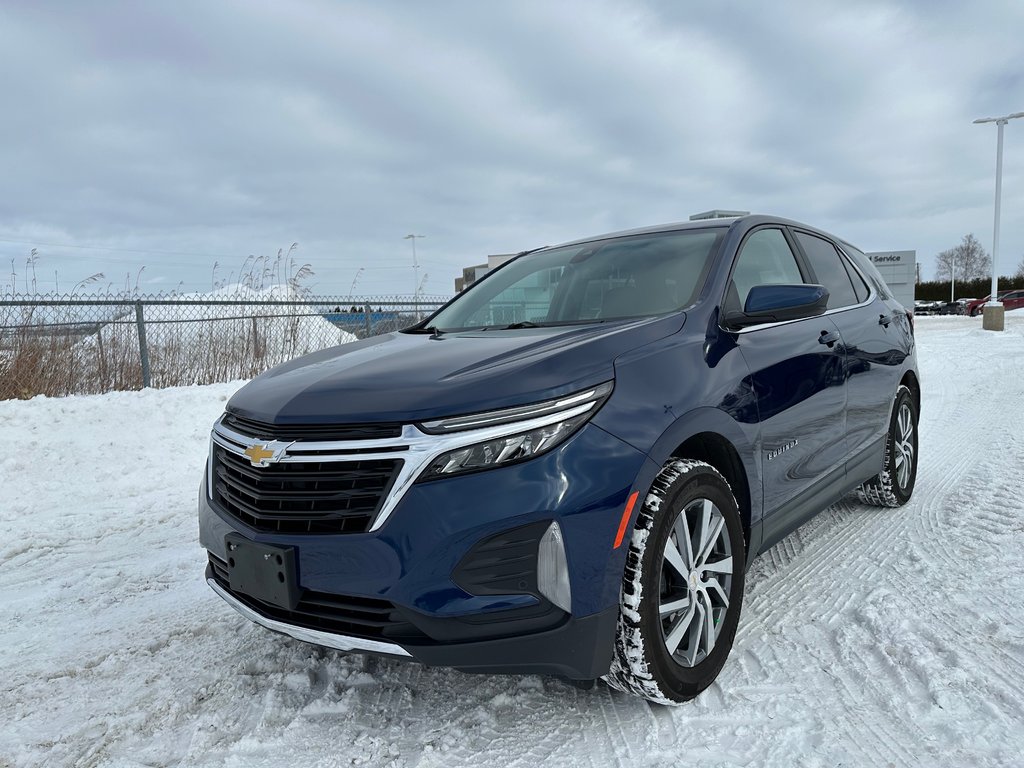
<point>777,303</point>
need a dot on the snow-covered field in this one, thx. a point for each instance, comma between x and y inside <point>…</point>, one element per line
<point>869,637</point>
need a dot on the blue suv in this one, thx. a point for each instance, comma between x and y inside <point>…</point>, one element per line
<point>568,468</point>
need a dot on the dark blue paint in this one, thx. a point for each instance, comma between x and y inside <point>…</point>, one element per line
<point>410,559</point>
<point>765,298</point>
<point>403,377</point>
<point>676,377</point>
<point>799,388</point>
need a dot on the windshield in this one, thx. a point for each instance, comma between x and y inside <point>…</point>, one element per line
<point>633,276</point>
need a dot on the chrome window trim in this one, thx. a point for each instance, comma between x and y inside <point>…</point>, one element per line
<point>415,449</point>
<point>316,636</point>
<point>872,295</point>
<point>867,279</point>
<point>852,262</point>
<point>871,291</point>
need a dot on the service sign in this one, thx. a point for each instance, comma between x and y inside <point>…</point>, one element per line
<point>892,258</point>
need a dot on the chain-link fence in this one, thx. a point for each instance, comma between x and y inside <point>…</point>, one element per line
<point>58,346</point>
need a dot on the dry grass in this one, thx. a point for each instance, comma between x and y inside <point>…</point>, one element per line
<point>33,364</point>
<point>51,351</point>
<point>71,345</point>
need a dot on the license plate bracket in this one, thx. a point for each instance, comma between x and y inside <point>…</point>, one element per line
<point>263,571</point>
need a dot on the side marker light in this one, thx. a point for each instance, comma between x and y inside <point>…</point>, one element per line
<point>625,519</point>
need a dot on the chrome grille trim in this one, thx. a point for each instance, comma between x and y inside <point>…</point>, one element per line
<point>415,448</point>
<point>318,637</point>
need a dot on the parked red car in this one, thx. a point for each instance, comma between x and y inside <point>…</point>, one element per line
<point>1010,299</point>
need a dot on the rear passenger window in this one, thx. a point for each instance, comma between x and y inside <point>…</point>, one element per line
<point>859,286</point>
<point>828,270</point>
<point>766,259</point>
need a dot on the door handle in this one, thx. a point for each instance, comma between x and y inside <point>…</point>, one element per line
<point>884,320</point>
<point>828,338</point>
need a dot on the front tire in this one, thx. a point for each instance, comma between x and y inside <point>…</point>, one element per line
<point>682,588</point>
<point>894,485</point>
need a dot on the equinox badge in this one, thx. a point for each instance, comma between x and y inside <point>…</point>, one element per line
<point>781,449</point>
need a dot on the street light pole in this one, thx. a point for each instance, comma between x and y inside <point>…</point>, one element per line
<point>415,272</point>
<point>994,311</point>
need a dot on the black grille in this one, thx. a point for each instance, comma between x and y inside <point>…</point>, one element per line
<point>302,497</point>
<point>355,616</point>
<point>263,431</point>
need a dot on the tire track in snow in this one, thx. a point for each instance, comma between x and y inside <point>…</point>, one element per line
<point>835,553</point>
<point>864,641</point>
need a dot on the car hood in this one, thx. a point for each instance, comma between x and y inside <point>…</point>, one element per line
<point>409,377</point>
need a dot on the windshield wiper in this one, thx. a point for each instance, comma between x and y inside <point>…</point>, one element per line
<point>552,324</point>
<point>433,330</point>
<point>521,324</point>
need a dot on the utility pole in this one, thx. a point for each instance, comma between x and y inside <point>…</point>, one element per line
<point>994,317</point>
<point>415,272</point>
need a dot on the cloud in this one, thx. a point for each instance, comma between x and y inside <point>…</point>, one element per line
<point>215,131</point>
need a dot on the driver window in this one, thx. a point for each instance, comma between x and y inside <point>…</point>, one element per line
<point>765,259</point>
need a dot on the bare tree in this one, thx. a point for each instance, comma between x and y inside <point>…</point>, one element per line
<point>969,259</point>
<point>1020,268</point>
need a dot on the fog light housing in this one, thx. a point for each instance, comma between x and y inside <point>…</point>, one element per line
<point>553,569</point>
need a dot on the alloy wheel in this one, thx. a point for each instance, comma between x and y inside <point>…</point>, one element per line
<point>903,441</point>
<point>696,577</point>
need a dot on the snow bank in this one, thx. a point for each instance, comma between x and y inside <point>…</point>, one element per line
<point>869,637</point>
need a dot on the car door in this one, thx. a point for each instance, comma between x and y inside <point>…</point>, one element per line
<point>797,378</point>
<point>875,339</point>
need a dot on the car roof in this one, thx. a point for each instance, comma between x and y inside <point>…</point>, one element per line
<point>747,221</point>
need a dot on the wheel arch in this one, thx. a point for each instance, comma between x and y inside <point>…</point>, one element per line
<point>714,449</point>
<point>731,447</point>
<point>911,382</point>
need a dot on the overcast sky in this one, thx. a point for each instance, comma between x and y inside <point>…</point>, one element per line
<point>177,135</point>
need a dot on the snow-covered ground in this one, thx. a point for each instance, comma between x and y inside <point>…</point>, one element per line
<point>869,637</point>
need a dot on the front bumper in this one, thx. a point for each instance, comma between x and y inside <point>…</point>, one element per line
<point>315,636</point>
<point>569,651</point>
<point>401,576</point>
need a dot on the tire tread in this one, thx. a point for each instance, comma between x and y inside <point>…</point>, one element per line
<point>880,491</point>
<point>630,671</point>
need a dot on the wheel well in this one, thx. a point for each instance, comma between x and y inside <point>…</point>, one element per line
<point>720,454</point>
<point>910,381</point>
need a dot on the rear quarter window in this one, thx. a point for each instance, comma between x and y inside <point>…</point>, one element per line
<point>868,269</point>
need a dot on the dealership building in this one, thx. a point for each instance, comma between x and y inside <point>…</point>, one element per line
<point>899,269</point>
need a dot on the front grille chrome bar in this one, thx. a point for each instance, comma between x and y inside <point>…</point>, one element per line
<point>415,448</point>
<point>318,637</point>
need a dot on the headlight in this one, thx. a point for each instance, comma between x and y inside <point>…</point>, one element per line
<point>542,427</point>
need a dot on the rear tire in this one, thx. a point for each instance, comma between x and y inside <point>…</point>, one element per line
<point>894,485</point>
<point>682,589</point>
